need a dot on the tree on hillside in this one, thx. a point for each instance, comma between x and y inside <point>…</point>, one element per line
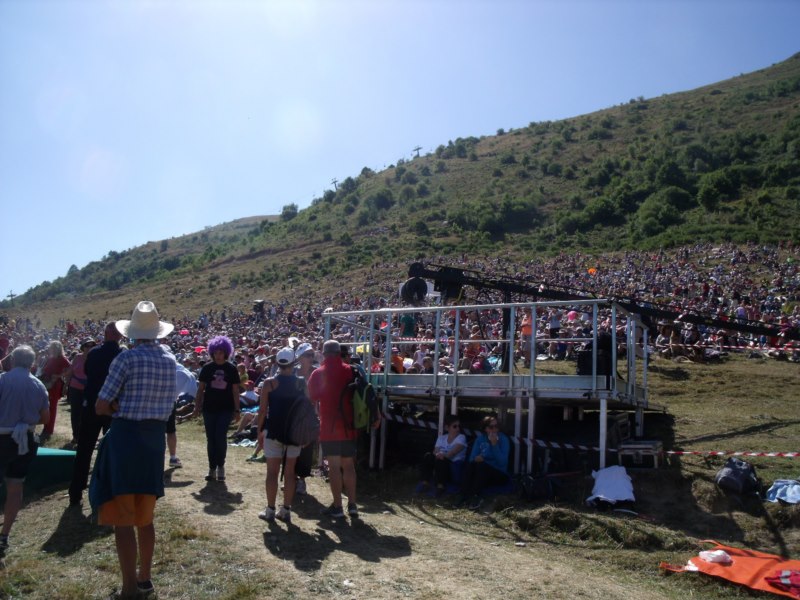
<point>289,212</point>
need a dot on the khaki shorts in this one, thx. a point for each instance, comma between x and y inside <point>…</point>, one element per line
<point>128,510</point>
<point>274,449</point>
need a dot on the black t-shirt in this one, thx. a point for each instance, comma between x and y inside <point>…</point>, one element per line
<point>219,380</point>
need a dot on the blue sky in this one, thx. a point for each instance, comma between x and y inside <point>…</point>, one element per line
<point>125,121</point>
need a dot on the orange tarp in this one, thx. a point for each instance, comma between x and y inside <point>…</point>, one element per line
<point>748,567</point>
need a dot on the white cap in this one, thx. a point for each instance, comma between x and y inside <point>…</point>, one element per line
<point>285,357</point>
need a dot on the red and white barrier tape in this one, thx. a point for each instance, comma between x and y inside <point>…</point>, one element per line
<point>472,433</point>
<point>732,453</point>
<point>565,446</point>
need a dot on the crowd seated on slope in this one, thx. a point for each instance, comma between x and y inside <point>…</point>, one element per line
<point>753,283</point>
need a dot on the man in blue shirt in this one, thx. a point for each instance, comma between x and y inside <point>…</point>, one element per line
<point>139,394</point>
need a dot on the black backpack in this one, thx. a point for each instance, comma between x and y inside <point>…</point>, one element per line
<point>302,422</point>
<point>738,476</point>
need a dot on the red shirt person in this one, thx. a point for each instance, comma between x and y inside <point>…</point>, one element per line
<point>326,388</point>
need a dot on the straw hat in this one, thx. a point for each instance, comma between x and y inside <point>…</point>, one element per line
<point>144,323</point>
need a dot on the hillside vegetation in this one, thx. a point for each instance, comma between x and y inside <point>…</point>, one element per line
<point>719,163</point>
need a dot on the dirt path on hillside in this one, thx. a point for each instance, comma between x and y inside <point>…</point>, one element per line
<point>410,549</point>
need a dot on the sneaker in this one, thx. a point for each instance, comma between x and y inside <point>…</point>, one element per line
<point>352,509</point>
<point>268,515</point>
<point>220,473</point>
<point>3,545</point>
<point>475,503</point>
<point>212,475</point>
<point>145,587</point>
<point>175,462</point>
<point>284,514</point>
<point>333,511</point>
<point>300,487</point>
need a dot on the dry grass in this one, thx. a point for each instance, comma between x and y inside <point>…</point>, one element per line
<point>211,545</point>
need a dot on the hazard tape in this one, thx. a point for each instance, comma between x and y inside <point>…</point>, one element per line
<point>732,453</point>
<point>472,433</point>
<point>564,446</point>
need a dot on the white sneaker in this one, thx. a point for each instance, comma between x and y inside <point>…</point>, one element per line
<point>300,487</point>
<point>268,515</point>
<point>284,514</point>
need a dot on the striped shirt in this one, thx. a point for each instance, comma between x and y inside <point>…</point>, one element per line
<point>143,380</point>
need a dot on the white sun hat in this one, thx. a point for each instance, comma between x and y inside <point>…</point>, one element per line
<point>144,323</point>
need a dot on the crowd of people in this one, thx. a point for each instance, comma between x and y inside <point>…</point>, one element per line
<point>132,391</point>
<point>233,359</point>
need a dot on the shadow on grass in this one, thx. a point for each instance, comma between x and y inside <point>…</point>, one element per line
<point>217,499</point>
<point>671,372</point>
<point>744,431</point>
<point>170,483</point>
<point>74,529</point>
<point>353,535</point>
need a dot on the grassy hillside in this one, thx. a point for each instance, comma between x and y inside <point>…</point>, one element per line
<point>717,163</point>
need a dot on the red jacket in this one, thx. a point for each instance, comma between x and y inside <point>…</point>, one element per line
<point>325,388</point>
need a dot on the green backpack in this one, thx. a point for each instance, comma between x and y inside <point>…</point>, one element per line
<point>366,412</point>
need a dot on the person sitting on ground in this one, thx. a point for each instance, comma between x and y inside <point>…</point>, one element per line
<point>243,376</point>
<point>445,464</point>
<point>488,463</point>
<point>249,397</point>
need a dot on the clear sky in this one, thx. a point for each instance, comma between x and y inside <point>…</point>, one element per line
<point>126,121</point>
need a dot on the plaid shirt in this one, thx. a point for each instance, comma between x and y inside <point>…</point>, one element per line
<point>143,380</point>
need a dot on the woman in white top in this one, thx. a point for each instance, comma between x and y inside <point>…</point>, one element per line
<point>445,463</point>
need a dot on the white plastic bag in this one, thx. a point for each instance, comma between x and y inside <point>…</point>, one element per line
<point>716,556</point>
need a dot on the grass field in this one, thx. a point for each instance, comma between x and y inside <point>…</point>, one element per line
<point>211,545</point>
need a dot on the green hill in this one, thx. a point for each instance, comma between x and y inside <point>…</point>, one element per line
<point>719,163</point>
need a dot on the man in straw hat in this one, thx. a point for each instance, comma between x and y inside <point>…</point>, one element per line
<point>138,394</point>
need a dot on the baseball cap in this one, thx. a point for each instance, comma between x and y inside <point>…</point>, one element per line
<point>285,357</point>
<point>303,348</point>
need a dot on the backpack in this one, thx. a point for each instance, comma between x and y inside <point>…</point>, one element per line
<point>366,413</point>
<point>738,476</point>
<point>302,422</point>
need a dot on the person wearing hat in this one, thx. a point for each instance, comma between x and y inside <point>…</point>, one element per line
<point>304,366</point>
<point>278,394</point>
<point>218,400</point>
<point>139,394</point>
<point>326,388</point>
<point>76,375</point>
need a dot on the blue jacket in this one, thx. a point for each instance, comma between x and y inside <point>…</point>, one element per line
<point>495,456</point>
<point>130,460</point>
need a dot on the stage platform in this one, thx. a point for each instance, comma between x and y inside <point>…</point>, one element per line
<point>514,393</point>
